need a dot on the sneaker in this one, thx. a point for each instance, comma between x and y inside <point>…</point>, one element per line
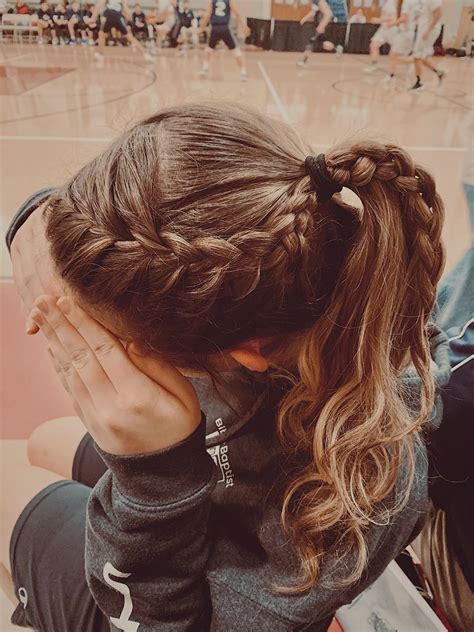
<point>301,63</point>
<point>181,53</point>
<point>40,41</point>
<point>99,56</point>
<point>55,41</point>
<point>371,68</point>
<point>418,87</point>
<point>441,75</point>
<point>388,79</point>
<point>84,41</point>
<point>244,75</point>
<point>203,72</point>
<point>148,57</point>
<point>72,42</point>
<point>91,42</point>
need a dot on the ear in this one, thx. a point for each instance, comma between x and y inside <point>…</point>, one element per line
<point>248,355</point>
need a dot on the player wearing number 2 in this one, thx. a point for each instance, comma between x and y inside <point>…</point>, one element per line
<point>218,15</point>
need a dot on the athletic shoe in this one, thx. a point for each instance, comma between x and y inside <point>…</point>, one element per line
<point>418,87</point>
<point>40,41</point>
<point>55,41</point>
<point>91,42</point>
<point>301,64</point>
<point>244,75</point>
<point>371,68</point>
<point>388,79</point>
<point>148,57</point>
<point>99,56</point>
<point>84,41</point>
<point>72,42</point>
<point>441,75</point>
<point>203,72</point>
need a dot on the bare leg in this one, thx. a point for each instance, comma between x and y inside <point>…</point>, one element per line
<point>135,43</point>
<point>374,52</point>
<point>53,444</point>
<point>70,28</point>
<point>102,38</point>
<point>206,60</point>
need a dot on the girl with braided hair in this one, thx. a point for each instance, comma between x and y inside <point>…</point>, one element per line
<point>277,480</point>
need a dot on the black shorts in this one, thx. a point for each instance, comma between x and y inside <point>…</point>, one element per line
<point>47,553</point>
<point>224,34</point>
<point>114,20</point>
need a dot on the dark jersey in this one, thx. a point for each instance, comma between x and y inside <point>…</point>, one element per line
<point>60,16</point>
<point>138,17</point>
<point>186,18</point>
<point>220,13</point>
<point>46,16</point>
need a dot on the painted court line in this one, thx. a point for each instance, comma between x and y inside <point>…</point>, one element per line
<point>278,102</point>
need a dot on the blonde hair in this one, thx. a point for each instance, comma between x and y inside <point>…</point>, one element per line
<point>201,230</point>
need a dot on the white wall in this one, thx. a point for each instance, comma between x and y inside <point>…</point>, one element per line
<point>261,9</point>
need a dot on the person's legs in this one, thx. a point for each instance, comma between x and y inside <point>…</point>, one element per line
<point>19,485</point>
<point>53,445</point>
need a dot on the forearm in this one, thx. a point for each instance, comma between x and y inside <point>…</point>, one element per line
<point>148,536</point>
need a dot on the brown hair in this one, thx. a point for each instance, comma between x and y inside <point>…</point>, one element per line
<point>200,229</point>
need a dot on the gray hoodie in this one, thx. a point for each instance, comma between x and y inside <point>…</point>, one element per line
<point>190,538</point>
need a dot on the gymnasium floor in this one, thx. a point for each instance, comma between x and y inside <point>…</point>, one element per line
<point>59,108</point>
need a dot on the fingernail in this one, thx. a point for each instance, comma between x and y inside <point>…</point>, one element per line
<point>64,305</point>
<point>31,328</point>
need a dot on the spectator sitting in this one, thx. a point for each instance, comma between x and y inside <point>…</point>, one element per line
<point>77,23</point>
<point>138,23</point>
<point>21,8</point>
<point>45,20</point>
<point>60,19</point>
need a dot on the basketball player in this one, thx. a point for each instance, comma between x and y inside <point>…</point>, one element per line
<point>321,14</point>
<point>404,40</point>
<point>116,14</point>
<point>385,34</point>
<point>166,16</point>
<point>218,14</point>
<point>426,35</point>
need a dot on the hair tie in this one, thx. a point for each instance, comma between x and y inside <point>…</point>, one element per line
<point>323,184</point>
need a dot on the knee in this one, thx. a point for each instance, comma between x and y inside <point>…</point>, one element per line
<point>52,445</point>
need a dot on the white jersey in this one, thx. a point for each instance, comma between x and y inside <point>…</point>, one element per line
<point>427,7</point>
<point>411,10</point>
<point>114,5</point>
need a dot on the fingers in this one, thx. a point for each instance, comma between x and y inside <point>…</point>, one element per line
<point>74,353</point>
<point>107,350</point>
<point>62,379</point>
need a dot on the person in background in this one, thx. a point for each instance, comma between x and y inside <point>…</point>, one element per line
<point>77,24</point>
<point>165,20</point>
<point>60,19</point>
<point>321,13</point>
<point>404,40</point>
<point>45,21</point>
<point>188,26</point>
<point>385,34</point>
<point>138,24</point>
<point>219,13</point>
<point>116,14</point>
<point>427,33</point>
<point>92,28</point>
<point>22,9</point>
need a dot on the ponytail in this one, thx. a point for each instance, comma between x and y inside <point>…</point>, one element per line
<point>347,414</point>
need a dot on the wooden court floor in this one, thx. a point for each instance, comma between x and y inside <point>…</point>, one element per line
<point>59,108</point>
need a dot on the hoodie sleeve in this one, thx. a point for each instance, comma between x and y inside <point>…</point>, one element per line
<point>148,539</point>
<point>25,210</point>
